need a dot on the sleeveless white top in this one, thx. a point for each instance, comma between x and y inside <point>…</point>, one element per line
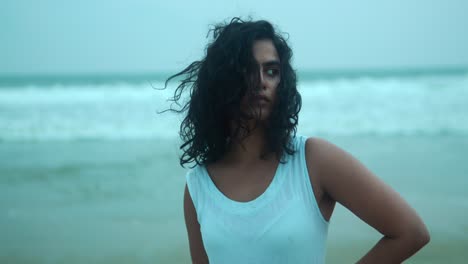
<point>282,225</point>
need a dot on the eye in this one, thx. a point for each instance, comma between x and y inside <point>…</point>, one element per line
<point>272,72</point>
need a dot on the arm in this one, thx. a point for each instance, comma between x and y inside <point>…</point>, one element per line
<point>345,180</point>
<point>197,250</point>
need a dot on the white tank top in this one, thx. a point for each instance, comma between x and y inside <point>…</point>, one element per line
<point>282,225</point>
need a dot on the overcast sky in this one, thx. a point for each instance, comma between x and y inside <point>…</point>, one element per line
<point>117,36</point>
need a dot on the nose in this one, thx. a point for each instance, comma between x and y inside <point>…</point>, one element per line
<point>263,84</point>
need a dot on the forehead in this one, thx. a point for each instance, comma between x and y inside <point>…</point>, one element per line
<point>264,51</point>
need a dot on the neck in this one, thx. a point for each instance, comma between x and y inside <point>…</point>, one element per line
<point>247,149</point>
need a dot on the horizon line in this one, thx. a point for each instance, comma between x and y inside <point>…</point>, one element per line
<point>21,79</point>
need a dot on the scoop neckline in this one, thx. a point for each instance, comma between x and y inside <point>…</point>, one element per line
<point>254,203</point>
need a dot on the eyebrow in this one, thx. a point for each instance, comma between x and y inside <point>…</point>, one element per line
<point>271,63</point>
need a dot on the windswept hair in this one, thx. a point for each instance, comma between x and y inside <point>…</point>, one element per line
<point>219,81</point>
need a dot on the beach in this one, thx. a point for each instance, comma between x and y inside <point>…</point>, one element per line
<point>89,172</point>
<point>121,201</point>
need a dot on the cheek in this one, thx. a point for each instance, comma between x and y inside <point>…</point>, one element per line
<point>274,86</point>
<point>274,82</point>
<point>274,94</point>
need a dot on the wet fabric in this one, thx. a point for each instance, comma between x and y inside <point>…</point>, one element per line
<point>282,225</point>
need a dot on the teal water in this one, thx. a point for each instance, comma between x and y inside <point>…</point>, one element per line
<point>304,75</point>
<point>89,172</point>
<point>416,105</point>
<point>121,201</point>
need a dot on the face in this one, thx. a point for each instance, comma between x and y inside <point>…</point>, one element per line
<point>264,98</point>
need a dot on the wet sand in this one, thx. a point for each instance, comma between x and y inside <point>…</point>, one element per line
<point>121,201</point>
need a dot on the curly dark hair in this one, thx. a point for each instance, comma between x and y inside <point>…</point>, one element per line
<point>219,81</point>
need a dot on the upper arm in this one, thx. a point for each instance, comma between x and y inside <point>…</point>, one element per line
<point>347,181</point>
<point>197,250</point>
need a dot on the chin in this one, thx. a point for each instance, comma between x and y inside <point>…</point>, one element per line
<point>262,117</point>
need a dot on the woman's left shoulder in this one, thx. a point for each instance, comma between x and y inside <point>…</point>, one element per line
<point>320,151</point>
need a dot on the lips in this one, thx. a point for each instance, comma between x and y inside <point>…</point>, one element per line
<point>261,99</point>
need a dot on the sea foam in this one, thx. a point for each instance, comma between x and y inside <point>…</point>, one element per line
<point>429,105</point>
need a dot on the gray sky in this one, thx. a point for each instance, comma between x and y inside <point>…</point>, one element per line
<point>112,36</point>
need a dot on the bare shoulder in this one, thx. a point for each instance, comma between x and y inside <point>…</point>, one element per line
<point>197,249</point>
<point>321,156</point>
<point>313,157</point>
<point>341,175</point>
<point>335,167</point>
<point>347,181</point>
<point>322,151</point>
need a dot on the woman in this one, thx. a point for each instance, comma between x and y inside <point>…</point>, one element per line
<point>259,193</point>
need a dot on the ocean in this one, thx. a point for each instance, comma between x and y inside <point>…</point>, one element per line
<point>89,169</point>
